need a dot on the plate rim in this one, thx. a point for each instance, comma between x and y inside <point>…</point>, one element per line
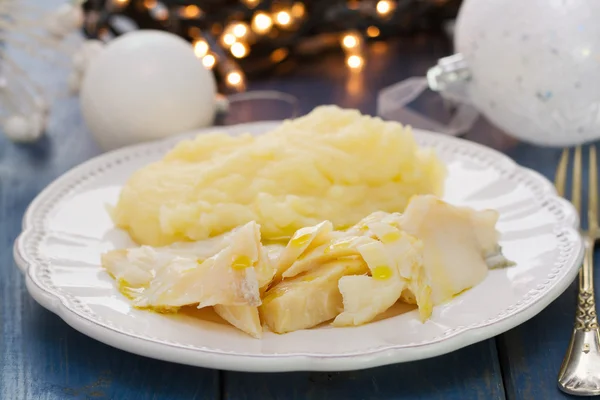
<point>159,349</point>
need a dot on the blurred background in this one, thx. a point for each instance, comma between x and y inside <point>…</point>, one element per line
<point>269,60</point>
<point>146,69</point>
<point>243,41</point>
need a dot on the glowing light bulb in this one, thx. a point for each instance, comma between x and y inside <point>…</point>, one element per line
<point>149,3</point>
<point>209,61</point>
<point>251,3</point>
<point>239,50</point>
<point>234,78</point>
<point>298,10</point>
<point>262,23</point>
<point>190,11</point>
<point>194,32</point>
<point>200,48</point>
<point>353,5</point>
<point>279,55</point>
<point>355,62</point>
<point>384,7</point>
<point>373,31</point>
<point>228,39</point>
<point>121,3</point>
<point>240,29</point>
<point>350,40</point>
<point>283,18</point>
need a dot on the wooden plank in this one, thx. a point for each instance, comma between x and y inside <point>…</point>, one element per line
<point>470,373</point>
<point>41,357</point>
<point>532,353</point>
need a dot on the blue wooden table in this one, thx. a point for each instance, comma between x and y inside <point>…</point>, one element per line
<point>43,358</point>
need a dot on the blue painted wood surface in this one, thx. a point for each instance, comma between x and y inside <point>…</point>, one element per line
<point>41,357</point>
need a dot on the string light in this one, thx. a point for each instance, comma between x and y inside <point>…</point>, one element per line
<point>298,10</point>
<point>240,29</point>
<point>209,61</point>
<point>194,32</point>
<point>234,78</point>
<point>251,3</point>
<point>372,31</point>
<point>353,5</point>
<point>279,55</point>
<point>200,48</point>
<point>191,11</point>
<point>353,44</point>
<point>355,62</point>
<point>350,40</point>
<point>283,18</point>
<point>384,7</point>
<point>216,29</point>
<point>262,23</point>
<point>228,39</point>
<point>239,50</point>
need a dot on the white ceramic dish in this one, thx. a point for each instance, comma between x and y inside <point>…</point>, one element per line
<point>66,228</point>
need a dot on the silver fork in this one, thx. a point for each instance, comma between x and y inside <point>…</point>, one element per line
<point>580,370</point>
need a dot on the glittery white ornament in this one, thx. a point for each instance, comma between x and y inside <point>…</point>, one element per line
<point>533,67</point>
<point>146,85</point>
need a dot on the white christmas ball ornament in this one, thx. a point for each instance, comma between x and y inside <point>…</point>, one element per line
<point>534,67</point>
<point>146,85</point>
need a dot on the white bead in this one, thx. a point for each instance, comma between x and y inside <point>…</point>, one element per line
<point>70,16</point>
<point>55,27</point>
<point>22,129</point>
<point>64,20</point>
<point>16,128</point>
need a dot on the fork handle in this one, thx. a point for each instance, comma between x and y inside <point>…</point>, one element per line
<point>579,373</point>
<point>585,318</point>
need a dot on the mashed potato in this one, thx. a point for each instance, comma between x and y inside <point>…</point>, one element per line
<point>332,164</point>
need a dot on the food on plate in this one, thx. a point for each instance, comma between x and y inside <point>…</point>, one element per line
<point>310,299</point>
<point>456,243</point>
<point>331,165</point>
<point>162,278</point>
<point>425,256</point>
<point>365,297</point>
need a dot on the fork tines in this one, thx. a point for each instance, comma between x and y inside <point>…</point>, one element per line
<point>576,189</point>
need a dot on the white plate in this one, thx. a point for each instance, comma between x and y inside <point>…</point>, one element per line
<point>66,228</point>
